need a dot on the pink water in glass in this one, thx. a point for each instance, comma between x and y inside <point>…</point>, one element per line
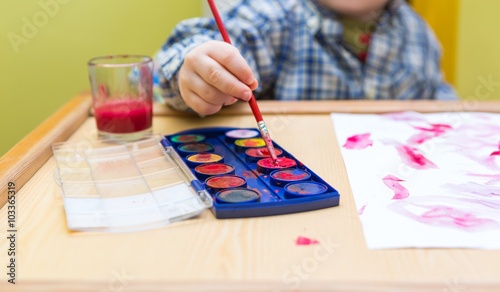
<point>124,116</point>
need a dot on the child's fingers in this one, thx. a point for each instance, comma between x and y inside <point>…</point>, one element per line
<point>196,103</point>
<point>229,57</point>
<point>217,76</point>
<point>231,102</point>
<point>209,93</point>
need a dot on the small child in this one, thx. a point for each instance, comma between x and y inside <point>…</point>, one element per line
<point>302,50</point>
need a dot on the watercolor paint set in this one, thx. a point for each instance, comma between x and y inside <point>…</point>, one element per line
<point>235,167</point>
<point>162,179</point>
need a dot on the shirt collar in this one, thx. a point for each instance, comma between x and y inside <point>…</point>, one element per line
<point>321,20</point>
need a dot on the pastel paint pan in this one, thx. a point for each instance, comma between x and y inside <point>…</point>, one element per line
<point>207,170</point>
<point>281,178</point>
<point>219,183</point>
<point>234,135</point>
<point>255,154</point>
<point>267,165</point>
<point>194,160</point>
<point>304,189</point>
<point>237,196</point>
<point>186,138</point>
<point>242,145</point>
<point>192,148</point>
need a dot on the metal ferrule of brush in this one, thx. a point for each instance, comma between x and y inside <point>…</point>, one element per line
<point>267,138</point>
<point>263,129</point>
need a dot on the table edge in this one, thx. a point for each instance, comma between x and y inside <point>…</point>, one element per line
<point>247,286</point>
<point>276,107</point>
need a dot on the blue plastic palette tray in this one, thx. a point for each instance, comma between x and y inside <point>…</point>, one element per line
<point>273,200</point>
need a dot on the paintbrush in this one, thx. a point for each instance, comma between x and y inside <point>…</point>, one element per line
<point>253,102</point>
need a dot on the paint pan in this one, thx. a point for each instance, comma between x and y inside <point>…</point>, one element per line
<point>243,144</point>
<point>304,189</point>
<point>219,183</point>
<point>186,138</point>
<point>207,170</point>
<point>194,160</point>
<point>282,177</point>
<point>234,135</point>
<point>237,195</point>
<point>253,155</point>
<point>192,148</point>
<point>267,165</point>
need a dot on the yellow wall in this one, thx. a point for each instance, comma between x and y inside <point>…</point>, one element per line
<point>44,49</point>
<point>478,50</point>
<point>468,33</point>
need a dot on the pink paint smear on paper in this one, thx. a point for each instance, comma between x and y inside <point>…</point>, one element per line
<point>474,189</point>
<point>441,215</point>
<point>497,152</point>
<point>492,158</point>
<point>392,182</point>
<point>362,210</point>
<point>494,178</point>
<point>479,130</point>
<point>360,141</point>
<point>426,134</point>
<point>302,240</point>
<point>482,158</point>
<point>405,116</point>
<point>413,158</point>
<point>448,216</point>
<point>489,162</point>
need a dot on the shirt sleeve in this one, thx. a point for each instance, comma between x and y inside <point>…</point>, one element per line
<point>251,30</point>
<point>442,90</point>
<point>426,51</point>
<point>186,35</point>
<point>445,92</point>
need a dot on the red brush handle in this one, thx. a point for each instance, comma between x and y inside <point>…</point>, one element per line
<point>219,22</point>
<point>225,37</point>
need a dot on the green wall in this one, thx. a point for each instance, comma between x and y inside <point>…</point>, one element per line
<point>45,44</point>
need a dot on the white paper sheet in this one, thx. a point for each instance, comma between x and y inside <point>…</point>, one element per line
<point>424,180</point>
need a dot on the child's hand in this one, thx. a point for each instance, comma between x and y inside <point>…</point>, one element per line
<point>215,74</point>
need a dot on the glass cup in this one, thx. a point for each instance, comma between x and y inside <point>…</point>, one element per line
<point>122,90</point>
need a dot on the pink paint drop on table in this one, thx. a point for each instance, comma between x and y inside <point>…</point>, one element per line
<point>302,240</point>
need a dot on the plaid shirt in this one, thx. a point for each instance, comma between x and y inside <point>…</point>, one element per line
<point>296,51</point>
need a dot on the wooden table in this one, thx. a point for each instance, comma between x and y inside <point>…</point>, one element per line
<point>205,254</point>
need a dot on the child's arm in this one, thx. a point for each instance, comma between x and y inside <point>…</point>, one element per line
<point>445,92</point>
